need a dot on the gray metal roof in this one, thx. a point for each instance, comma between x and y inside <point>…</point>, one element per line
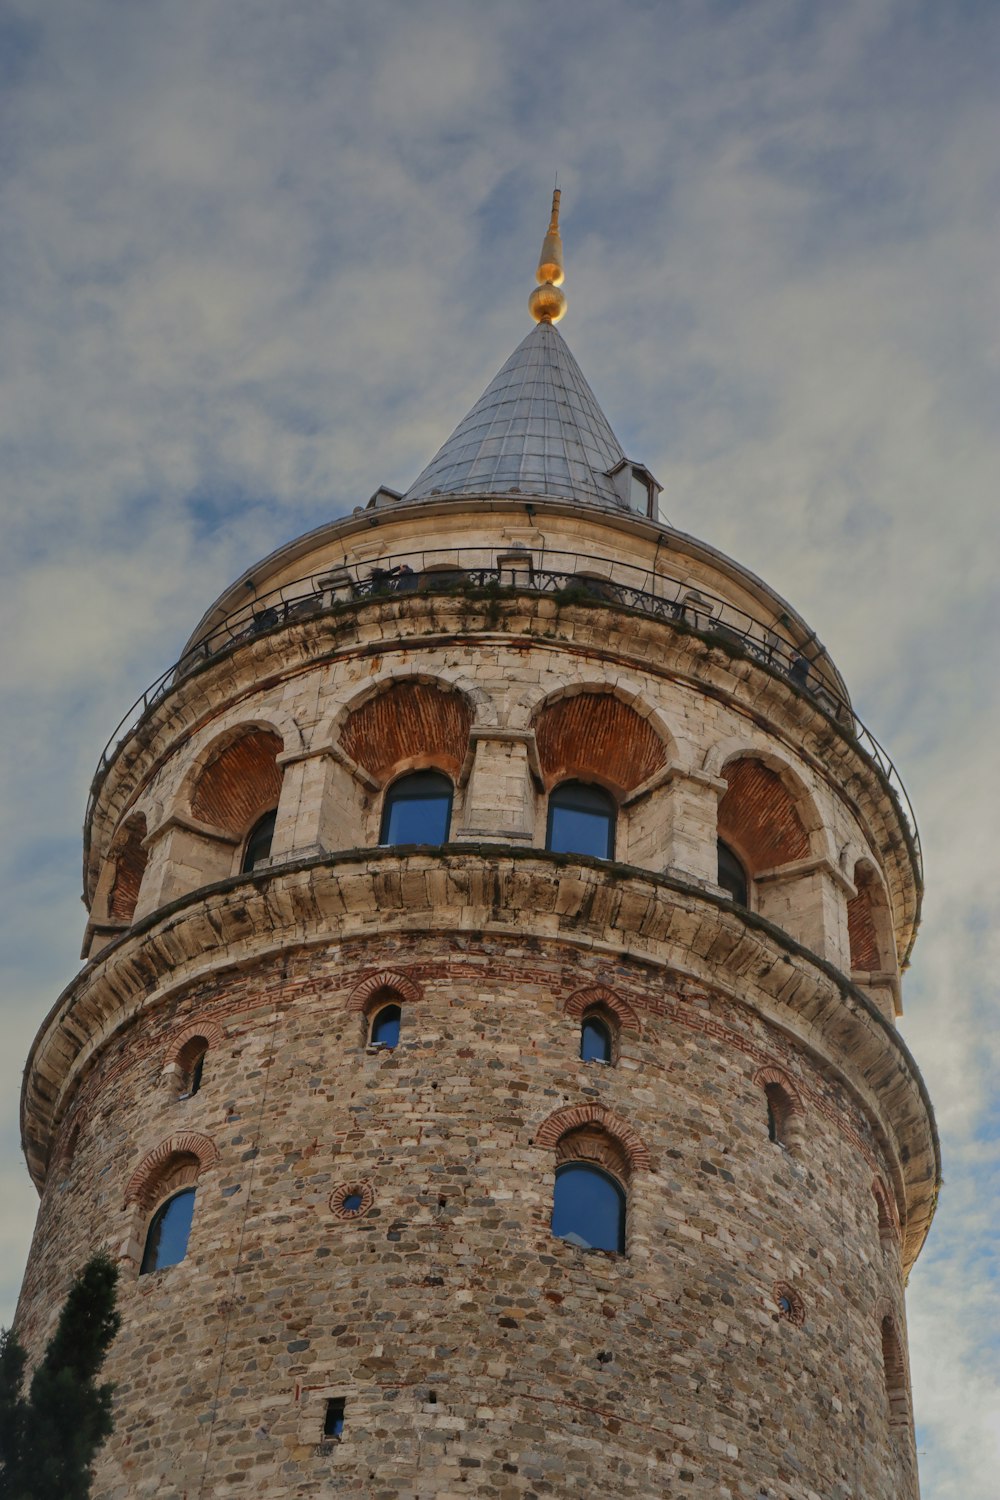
<point>537,429</point>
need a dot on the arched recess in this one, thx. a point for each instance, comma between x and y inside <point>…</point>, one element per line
<point>176,1162</point>
<point>598,996</point>
<point>760,817</point>
<point>410,723</point>
<point>128,857</point>
<point>594,735</point>
<point>589,1122</point>
<point>385,983</point>
<point>897,1388</point>
<point>239,781</point>
<point>888,1226</point>
<point>784,1114</point>
<point>869,925</point>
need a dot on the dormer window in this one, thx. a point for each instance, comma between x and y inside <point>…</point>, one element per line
<point>636,487</point>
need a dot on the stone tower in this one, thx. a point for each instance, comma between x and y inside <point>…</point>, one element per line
<point>485,1063</point>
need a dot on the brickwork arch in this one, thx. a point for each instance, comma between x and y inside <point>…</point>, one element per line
<point>127,857</point>
<point>407,723</point>
<point>383,984</point>
<point>237,779</point>
<point>176,1162</point>
<point>209,1031</point>
<point>597,734</point>
<point>869,925</point>
<point>766,816</point>
<point>598,996</point>
<point>573,1118</point>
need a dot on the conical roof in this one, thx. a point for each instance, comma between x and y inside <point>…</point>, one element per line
<point>536,430</point>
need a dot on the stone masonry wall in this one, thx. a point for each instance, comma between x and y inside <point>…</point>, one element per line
<point>477,1354</point>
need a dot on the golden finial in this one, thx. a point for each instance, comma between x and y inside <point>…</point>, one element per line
<point>547,303</point>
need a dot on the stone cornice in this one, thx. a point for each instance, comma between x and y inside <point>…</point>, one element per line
<point>656,919</point>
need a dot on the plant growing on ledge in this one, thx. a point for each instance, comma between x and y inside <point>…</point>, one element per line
<point>48,1438</point>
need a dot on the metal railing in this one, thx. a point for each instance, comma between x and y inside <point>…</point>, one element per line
<point>568,576</point>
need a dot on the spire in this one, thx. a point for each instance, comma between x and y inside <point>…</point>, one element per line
<point>537,428</point>
<point>547,304</point>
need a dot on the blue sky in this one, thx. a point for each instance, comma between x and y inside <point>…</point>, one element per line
<point>256,260</point>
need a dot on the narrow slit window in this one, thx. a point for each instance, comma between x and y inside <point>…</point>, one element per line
<point>333,1418</point>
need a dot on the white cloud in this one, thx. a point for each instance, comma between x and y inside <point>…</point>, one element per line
<point>252,270</point>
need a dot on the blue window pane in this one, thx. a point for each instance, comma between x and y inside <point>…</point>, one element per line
<point>385,1027</point>
<point>595,1041</point>
<point>581,821</point>
<point>167,1240</point>
<point>417,809</point>
<point>588,1208</point>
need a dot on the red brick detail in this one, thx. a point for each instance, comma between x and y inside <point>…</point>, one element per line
<point>861,925</point>
<point>387,982</point>
<point>345,1190</point>
<point>795,1311</point>
<point>575,1116</point>
<point>70,1139</point>
<point>174,1159</point>
<point>129,859</point>
<point>597,737</point>
<point>240,783</point>
<point>207,1031</point>
<point>758,817</point>
<point>592,1143</point>
<point>408,722</point>
<point>596,997</point>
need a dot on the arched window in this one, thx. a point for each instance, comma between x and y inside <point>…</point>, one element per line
<point>191,1066</point>
<point>732,876</point>
<point>169,1229</point>
<point>258,844</point>
<point>596,1039</point>
<point>417,809</point>
<point>581,820</point>
<point>385,1027</point>
<point>588,1208</point>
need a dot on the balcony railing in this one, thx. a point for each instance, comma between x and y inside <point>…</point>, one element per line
<point>568,577</point>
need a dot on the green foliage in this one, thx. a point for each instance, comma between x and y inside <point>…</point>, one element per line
<point>49,1438</point>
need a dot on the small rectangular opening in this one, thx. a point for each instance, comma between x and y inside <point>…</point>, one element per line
<point>333,1421</point>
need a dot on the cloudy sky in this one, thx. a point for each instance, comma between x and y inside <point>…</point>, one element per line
<point>257,259</point>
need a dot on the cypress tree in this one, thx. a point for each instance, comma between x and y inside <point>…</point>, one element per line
<point>50,1438</point>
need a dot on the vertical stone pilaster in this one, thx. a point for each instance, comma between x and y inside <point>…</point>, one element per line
<point>808,898</point>
<point>500,792</point>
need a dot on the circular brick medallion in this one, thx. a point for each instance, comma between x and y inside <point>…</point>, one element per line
<point>352,1200</point>
<point>790,1305</point>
